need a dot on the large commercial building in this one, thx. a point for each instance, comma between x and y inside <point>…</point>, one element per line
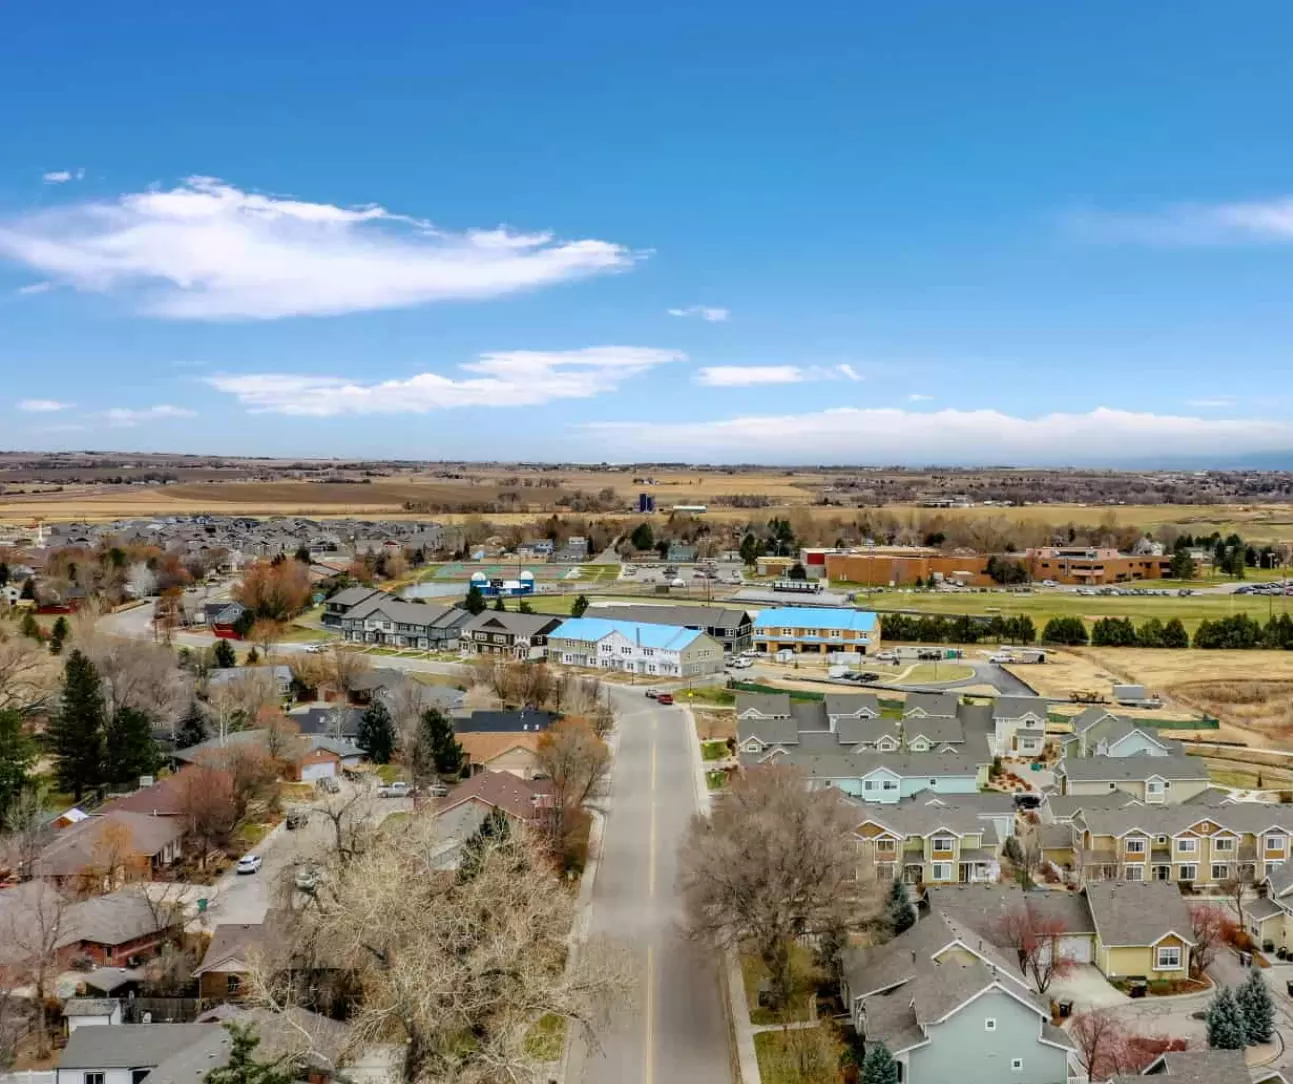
<point>1081,565</point>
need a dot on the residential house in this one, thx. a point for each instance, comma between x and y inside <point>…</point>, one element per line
<point>1141,929</point>
<point>1204,1067</point>
<point>927,842</point>
<point>280,675</point>
<point>880,777</point>
<point>221,617</point>
<point>1112,735</point>
<point>931,705</point>
<point>236,948</point>
<point>992,911</point>
<point>127,1054</point>
<point>514,635</point>
<point>340,604</point>
<point>104,852</point>
<point>1018,726</point>
<point>462,811</point>
<point>1270,917</point>
<point>923,734</point>
<point>390,621</point>
<point>730,626</point>
<point>1183,843</point>
<point>307,757</point>
<point>525,720</point>
<point>768,722</point>
<point>950,1006</point>
<point>816,630</point>
<point>112,930</point>
<point>1155,780</point>
<point>663,650</point>
<point>503,751</point>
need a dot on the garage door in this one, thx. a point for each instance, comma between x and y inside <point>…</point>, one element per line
<point>1077,949</point>
<point>323,770</point>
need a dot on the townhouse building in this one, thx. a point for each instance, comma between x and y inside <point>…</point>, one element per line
<point>390,621</point>
<point>1097,732</point>
<point>1018,726</point>
<point>1155,780</point>
<point>661,650</point>
<point>340,604</point>
<point>730,626</point>
<point>514,635</point>
<point>933,842</point>
<point>1198,846</point>
<point>816,630</point>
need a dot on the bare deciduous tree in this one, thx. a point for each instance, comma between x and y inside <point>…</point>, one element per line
<point>348,667</point>
<point>29,675</point>
<point>1036,938</point>
<point>1210,927</point>
<point>577,762</point>
<point>32,934</point>
<point>236,704</point>
<point>439,958</point>
<point>141,580</point>
<point>136,674</point>
<point>205,796</point>
<point>775,861</point>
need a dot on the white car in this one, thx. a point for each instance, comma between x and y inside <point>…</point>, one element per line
<point>398,789</point>
<point>249,863</point>
<point>315,649</point>
<point>886,656</point>
<point>1001,657</point>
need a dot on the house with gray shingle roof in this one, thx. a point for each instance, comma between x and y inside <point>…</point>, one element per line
<point>878,777</point>
<point>1204,1067</point>
<point>1157,780</point>
<point>927,842</point>
<point>941,705</point>
<point>1018,726</point>
<point>1141,929</point>
<point>951,1007</point>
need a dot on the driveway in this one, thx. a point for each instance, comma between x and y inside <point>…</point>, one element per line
<point>1087,989</point>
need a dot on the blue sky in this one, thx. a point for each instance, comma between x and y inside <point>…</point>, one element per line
<point>854,232</point>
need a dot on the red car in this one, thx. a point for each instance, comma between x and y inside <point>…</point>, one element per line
<point>664,698</point>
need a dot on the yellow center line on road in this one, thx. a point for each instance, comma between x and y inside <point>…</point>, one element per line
<point>648,1053</point>
<point>651,845</point>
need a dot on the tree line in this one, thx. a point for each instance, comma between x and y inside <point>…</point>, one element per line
<point>1237,632</point>
<point>959,629</point>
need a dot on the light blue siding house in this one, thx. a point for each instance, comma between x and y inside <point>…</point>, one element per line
<point>881,777</point>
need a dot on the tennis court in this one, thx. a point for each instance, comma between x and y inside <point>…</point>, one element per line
<point>461,571</point>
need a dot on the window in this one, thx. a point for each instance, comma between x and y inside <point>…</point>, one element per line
<point>1016,1065</point>
<point>990,1024</point>
<point>942,871</point>
<point>1220,871</point>
<point>1135,873</point>
<point>1161,840</point>
<point>1188,845</point>
<point>942,843</point>
<point>886,845</point>
<point>1167,958</point>
<point>233,985</point>
<point>869,785</point>
<point>1224,843</point>
<point>93,1078</point>
<point>889,784</point>
<point>1135,846</point>
<point>1276,841</point>
<point>1187,872</point>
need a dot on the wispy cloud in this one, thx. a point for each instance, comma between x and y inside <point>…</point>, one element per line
<point>1219,403</point>
<point>704,312</point>
<point>511,378</point>
<point>1232,223</point>
<point>62,176</point>
<point>35,288</point>
<point>128,417</point>
<point>208,250</point>
<point>893,435</point>
<point>917,397</point>
<point>43,406</point>
<point>745,376</point>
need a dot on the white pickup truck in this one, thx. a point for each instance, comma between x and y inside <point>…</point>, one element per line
<point>398,789</point>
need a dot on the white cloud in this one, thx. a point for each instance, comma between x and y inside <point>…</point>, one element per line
<point>127,417</point>
<point>712,315</point>
<point>917,397</point>
<point>35,288</point>
<point>1250,222</point>
<point>745,376</point>
<point>62,176</point>
<point>43,406</point>
<point>1219,403</point>
<point>207,250</point>
<point>509,378</point>
<point>893,435</point>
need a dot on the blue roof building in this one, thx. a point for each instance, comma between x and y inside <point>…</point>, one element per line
<point>605,644</point>
<point>816,629</point>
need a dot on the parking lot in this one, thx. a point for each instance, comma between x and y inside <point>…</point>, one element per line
<point>718,573</point>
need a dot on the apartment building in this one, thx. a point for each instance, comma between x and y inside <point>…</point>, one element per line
<point>664,650</point>
<point>816,630</point>
<point>1200,846</point>
<point>387,620</point>
<point>1018,726</point>
<point>931,842</point>
<point>513,635</point>
<point>730,626</point>
<point>1155,780</point>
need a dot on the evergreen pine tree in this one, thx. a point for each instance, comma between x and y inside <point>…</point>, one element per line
<point>1225,1022</point>
<point>224,655</point>
<point>192,729</point>
<point>57,635</point>
<point>129,750</point>
<point>579,606</point>
<point>878,1067</point>
<point>376,736</point>
<point>1254,1000</point>
<point>17,756</point>
<point>898,911</point>
<point>242,1066</point>
<point>495,829</point>
<point>29,627</point>
<point>498,605</point>
<point>76,729</point>
<point>446,752</point>
<point>253,657</point>
<point>475,601</point>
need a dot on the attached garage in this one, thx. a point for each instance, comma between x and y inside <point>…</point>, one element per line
<point>318,764</point>
<point>1080,948</point>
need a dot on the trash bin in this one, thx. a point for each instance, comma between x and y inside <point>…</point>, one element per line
<point>1245,959</point>
<point>1138,987</point>
<point>1290,989</point>
<point>202,905</point>
<point>1066,1008</point>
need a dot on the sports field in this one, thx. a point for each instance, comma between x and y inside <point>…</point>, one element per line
<point>462,571</point>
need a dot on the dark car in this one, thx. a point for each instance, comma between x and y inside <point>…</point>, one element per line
<point>297,818</point>
<point>1028,801</point>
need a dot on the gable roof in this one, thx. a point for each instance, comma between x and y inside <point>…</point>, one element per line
<point>713,617</point>
<point>768,731</point>
<point>113,919</point>
<point>853,730</point>
<point>482,748</point>
<point>516,797</point>
<point>407,613</point>
<point>849,704</point>
<point>981,907</point>
<point>113,835</point>
<point>1201,1067</point>
<point>943,705</point>
<point>351,596</point>
<point>1100,769</point>
<point>934,729</point>
<point>131,1046</point>
<point>1235,817</point>
<point>1137,913</point>
<point>776,705</point>
<point>1016,707</point>
<point>594,629</point>
<point>515,722</point>
<point>512,622</point>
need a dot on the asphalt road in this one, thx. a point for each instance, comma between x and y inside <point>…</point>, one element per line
<point>675,1032</point>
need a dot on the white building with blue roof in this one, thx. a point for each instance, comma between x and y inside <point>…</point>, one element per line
<point>661,650</point>
<point>816,630</point>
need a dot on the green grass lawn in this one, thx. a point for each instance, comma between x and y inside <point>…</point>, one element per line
<point>712,694</point>
<point>715,780</point>
<point>1041,606</point>
<point>546,1038</point>
<point>713,750</point>
<point>388,773</point>
<point>252,833</point>
<point>803,987</point>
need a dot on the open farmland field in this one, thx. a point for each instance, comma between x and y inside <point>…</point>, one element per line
<point>1041,606</point>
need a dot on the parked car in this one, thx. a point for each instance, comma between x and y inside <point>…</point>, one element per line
<point>328,785</point>
<point>249,863</point>
<point>436,790</point>
<point>398,789</point>
<point>297,818</point>
<point>886,656</point>
<point>1028,801</point>
<point>315,649</point>
<point>306,878</point>
<point>665,698</point>
<point>653,694</point>
<point>1000,657</point>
